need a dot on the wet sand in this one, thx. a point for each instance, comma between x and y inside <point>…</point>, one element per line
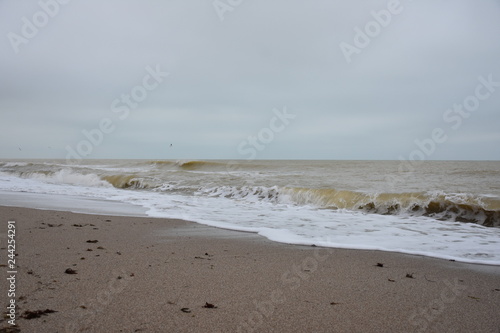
<point>136,274</point>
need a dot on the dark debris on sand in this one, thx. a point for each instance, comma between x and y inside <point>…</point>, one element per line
<point>36,314</point>
<point>209,306</point>
<point>10,330</point>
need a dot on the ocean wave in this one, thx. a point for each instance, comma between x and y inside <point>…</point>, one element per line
<point>187,165</point>
<point>14,164</point>
<point>66,176</point>
<point>327,203</point>
<point>459,207</point>
<point>128,181</point>
<point>210,179</point>
<point>447,207</point>
<point>157,163</point>
<point>140,165</point>
<point>250,193</point>
<point>201,165</point>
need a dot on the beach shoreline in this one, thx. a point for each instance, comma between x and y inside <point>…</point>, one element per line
<point>154,275</point>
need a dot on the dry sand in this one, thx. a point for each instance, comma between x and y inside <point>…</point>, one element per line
<point>156,275</point>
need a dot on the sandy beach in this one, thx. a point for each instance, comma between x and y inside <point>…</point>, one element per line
<point>93,273</point>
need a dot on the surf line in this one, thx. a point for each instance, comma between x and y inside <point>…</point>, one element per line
<point>123,105</point>
<point>454,116</point>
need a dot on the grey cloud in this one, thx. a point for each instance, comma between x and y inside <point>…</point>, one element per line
<point>226,77</point>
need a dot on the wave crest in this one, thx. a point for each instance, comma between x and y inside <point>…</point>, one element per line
<point>127,181</point>
<point>66,176</point>
<point>447,207</point>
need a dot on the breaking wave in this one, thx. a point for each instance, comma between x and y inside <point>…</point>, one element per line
<point>196,165</point>
<point>66,176</point>
<point>128,181</point>
<point>446,207</point>
<point>176,177</point>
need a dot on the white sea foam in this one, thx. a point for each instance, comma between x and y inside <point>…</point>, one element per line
<point>67,176</point>
<point>263,209</point>
<point>14,164</point>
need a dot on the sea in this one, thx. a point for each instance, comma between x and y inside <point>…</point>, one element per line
<point>441,209</point>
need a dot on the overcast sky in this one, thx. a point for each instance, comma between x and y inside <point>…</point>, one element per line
<point>242,79</point>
